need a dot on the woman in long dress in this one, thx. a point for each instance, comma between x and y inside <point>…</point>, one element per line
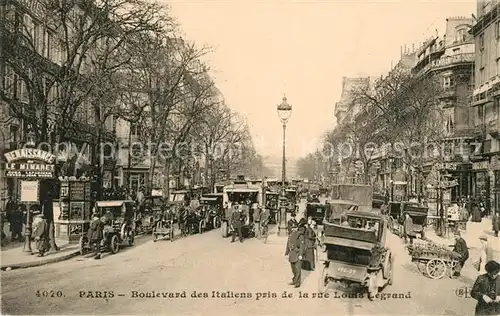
<point>42,236</point>
<point>310,244</point>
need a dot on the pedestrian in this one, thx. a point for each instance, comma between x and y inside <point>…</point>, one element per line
<point>461,248</point>
<point>42,235</point>
<point>95,235</point>
<point>476,213</point>
<point>256,219</point>
<point>236,224</point>
<point>495,221</point>
<point>291,222</point>
<point>486,290</point>
<point>295,251</point>
<point>485,256</point>
<point>16,223</point>
<point>309,262</point>
<point>408,229</point>
<point>265,215</point>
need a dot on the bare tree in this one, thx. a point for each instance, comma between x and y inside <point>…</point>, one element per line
<point>47,60</point>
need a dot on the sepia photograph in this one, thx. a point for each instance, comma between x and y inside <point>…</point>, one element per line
<point>250,157</point>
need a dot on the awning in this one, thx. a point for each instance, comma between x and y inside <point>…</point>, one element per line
<point>112,203</point>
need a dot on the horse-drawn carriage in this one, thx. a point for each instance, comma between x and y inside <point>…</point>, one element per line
<point>164,223</point>
<point>118,227</point>
<point>354,252</point>
<point>292,199</point>
<point>272,203</point>
<point>211,205</point>
<point>417,212</point>
<point>145,221</point>
<point>244,195</point>
<point>433,260</point>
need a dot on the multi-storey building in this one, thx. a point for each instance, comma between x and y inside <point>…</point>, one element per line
<point>450,60</point>
<point>47,53</point>
<point>346,109</point>
<point>486,97</point>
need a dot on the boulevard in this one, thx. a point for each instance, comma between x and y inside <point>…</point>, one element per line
<point>208,273</point>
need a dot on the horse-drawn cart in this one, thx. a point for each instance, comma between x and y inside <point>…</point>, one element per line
<point>432,260</point>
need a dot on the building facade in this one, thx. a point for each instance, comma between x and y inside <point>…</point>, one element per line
<point>486,96</point>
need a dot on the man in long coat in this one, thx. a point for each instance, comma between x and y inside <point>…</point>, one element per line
<point>42,236</point>
<point>95,234</point>
<point>295,252</point>
<point>462,249</point>
<point>236,224</point>
<point>486,290</point>
<point>408,229</point>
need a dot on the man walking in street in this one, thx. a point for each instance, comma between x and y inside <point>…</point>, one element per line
<point>264,222</point>
<point>295,251</point>
<point>256,219</point>
<point>461,248</point>
<point>236,223</point>
<point>408,229</point>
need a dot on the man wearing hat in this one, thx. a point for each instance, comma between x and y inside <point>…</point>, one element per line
<point>486,254</point>
<point>486,290</point>
<point>461,248</point>
<point>236,224</point>
<point>292,221</point>
<point>295,252</point>
<point>42,235</point>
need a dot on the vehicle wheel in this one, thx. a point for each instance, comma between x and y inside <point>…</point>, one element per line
<point>114,245</point>
<point>200,227</point>
<point>83,247</point>
<point>224,229</point>
<point>436,268</point>
<point>215,222</point>
<point>171,235</point>
<point>391,272</point>
<point>372,285</point>
<point>131,238</point>
<point>323,280</point>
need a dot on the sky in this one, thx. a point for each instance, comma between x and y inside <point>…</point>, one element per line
<point>265,49</point>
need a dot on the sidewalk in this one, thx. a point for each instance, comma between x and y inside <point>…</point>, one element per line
<point>15,258</point>
<point>471,236</point>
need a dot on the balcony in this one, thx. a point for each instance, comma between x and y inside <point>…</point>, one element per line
<point>449,61</point>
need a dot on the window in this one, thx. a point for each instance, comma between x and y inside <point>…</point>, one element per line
<point>480,114</point>
<point>9,81</point>
<point>135,129</point>
<point>38,38</point>
<point>14,133</point>
<point>461,35</point>
<point>448,82</point>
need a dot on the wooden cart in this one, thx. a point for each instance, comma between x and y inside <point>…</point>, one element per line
<point>433,260</point>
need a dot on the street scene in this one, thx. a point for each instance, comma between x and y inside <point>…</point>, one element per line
<point>179,158</point>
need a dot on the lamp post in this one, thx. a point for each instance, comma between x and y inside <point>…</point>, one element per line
<point>30,143</point>
<point>284,113</point>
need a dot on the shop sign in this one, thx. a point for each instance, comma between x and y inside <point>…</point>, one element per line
<point>480,165</point>
<point>29,191</point>
<point>29,163</point>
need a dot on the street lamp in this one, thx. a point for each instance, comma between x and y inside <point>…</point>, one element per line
<point>30,143</point>
<point>284,113</point>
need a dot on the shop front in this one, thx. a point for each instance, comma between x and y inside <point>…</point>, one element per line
<point>495,167</point>
<point>481,183</point>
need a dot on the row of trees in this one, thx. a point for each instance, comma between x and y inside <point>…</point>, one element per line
<point>72,69</point>
<point>399,115</point>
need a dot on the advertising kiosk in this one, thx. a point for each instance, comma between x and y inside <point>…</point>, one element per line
<point>72,212</point>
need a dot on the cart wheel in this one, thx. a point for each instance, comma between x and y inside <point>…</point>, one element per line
<point>131,238</point>
<point>323,280</point>
<point>372,285</point>
<point>171,234</point>
<point>83,249</point>
<point>436,268</point>
<point>114,244</point>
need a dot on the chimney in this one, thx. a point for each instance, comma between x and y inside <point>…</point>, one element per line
<point>401,50</point>
<point>413,47</point>
<point>405,50</point>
